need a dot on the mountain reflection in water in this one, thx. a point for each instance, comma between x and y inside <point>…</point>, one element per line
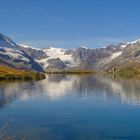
<point>57,86</point>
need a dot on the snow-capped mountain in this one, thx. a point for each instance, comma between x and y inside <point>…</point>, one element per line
<point>35,53</point>
<point>51,57</point>
<point>30,58</point>
<point>58,53</point>
<point>128,57</point>
<point>80,58</point>
<point>85,58</point>
<point>11,55</point>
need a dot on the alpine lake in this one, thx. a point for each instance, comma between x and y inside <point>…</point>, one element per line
<point>71,107</point>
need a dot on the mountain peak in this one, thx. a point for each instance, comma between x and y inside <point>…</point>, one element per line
<point>84,47</point>
<point>133,42</point>
<point>6,42</point>
<point>27,46</point>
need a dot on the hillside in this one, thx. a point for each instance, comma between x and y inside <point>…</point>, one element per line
<point>7,73</point>
<point>12,56</point>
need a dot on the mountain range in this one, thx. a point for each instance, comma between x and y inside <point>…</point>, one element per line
<point>29,58</point>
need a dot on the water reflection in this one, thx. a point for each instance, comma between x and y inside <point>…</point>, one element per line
<point>126,90</point>
<point>57,86</point>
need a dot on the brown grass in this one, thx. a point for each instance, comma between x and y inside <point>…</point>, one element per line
<point>7,73</point>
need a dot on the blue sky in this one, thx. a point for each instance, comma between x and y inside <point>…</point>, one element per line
<point>70,23</point>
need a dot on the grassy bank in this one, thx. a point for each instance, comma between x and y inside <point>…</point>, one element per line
<point>124,72</point>
<point>72,72</point>
<point>7,73</point>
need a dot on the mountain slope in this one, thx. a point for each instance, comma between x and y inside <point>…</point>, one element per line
<point>11,55</point>
<point>120,55</point>
<point>51,57</point>
<point>80,58</point>
<point>128,57</point>
<point>7,73</point>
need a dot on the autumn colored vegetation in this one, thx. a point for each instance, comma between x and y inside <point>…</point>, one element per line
<point>7,73</point>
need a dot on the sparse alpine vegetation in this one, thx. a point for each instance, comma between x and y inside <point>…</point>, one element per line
<point>7,73</point>
<point>124,72</point>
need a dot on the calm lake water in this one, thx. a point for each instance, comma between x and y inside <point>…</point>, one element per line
<point>71,108</point>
